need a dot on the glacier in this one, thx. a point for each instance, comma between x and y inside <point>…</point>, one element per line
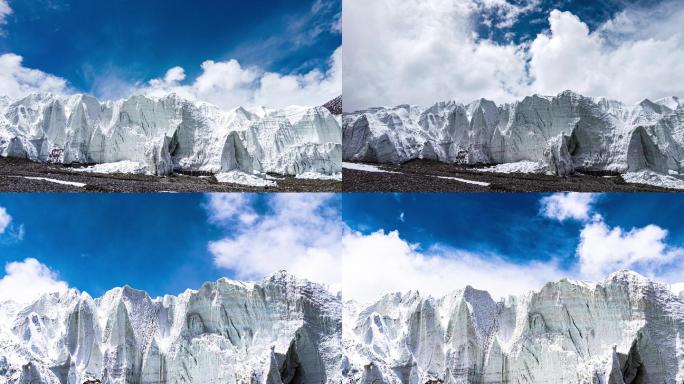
<point>565,133</point>
<point>281,330</point>
<point>624,330</point>
<point>170,134</point>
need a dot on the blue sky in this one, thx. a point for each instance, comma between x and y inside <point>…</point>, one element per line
<point>508,243</point>
<point>152,242</point>
<point>107,48</point>
<point>361,244</point>
<point>507,224</point>
<point>504,50</point>
<point>161,243</point>
<point>529,24</point>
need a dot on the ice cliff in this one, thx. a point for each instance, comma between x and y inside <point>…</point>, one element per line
<point>565,133</point>
<point>620,331</point>
<point>170,134</point>
<point>279,331</point>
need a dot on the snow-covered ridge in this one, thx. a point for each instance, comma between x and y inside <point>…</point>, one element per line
<point>225,332</point>
<point>170,134</point>
<point>564,133</point>
<point>625,329</point>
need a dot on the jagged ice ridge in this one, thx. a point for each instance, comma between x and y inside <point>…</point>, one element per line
<point>565,133</point>
<point>170,134</point>
<point>279,331</point>
<point>624,330</point>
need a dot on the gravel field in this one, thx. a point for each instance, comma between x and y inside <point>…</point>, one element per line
<point>424,176</point>
<point>14,173</point>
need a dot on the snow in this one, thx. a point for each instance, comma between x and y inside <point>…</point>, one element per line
<point>480,183</point>
<point>318,176</point>
<point>168,134</point>
<point>653,178</point>
<point>558,135</point>
<point>365,167</point>
<point>225,332</point>
<point>569,331</point>
<point>677,288</point>
<point>72,183</point>
<point>125,166</point>
<point>517,167</point>
<point>237,177</point>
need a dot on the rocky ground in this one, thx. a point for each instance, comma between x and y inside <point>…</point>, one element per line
<point>13,173</point>
<point>423,176</point>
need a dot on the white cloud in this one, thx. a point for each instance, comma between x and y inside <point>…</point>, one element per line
<point>300,233</point>
<point>5,219</point>
<point>421,51</point>
<point>603,250</point>
<point>607,62</point>
<point>569,205</point>
<point>228,84</point>
<point>228,207</point>
<point>5,11</point>
<point>25,281</point>
<point>381,262</point>
<point>17,81</point>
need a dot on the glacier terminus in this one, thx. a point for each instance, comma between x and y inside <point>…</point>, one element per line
<point>562,134</point>
<point>281,330</point>
<point>162,135</point>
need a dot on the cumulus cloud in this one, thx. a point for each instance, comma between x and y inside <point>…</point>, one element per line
<point>229,207</point>
<point>569,205</point>
<point>18,81</point>
<point>606,62</point>
<point>228,84</point>
<point>25,281</point>
<point>419,52</point>
<point>381,262</point>
<point>299,233</point>
<point>603,250</point>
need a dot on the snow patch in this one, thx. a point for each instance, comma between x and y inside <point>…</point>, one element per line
<point>125,167</point>
<point>480,183</point>
<point>72,183</point>
<point>653,178</point>
<point>365,167</point>
<point>517,167</point>
<point>237,177</point>
<point>319,176</point>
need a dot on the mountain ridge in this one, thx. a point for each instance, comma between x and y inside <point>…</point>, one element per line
<point>566,133</point>
<point>625,329</point>
<point>168,134</point>
<point>265,332</point>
